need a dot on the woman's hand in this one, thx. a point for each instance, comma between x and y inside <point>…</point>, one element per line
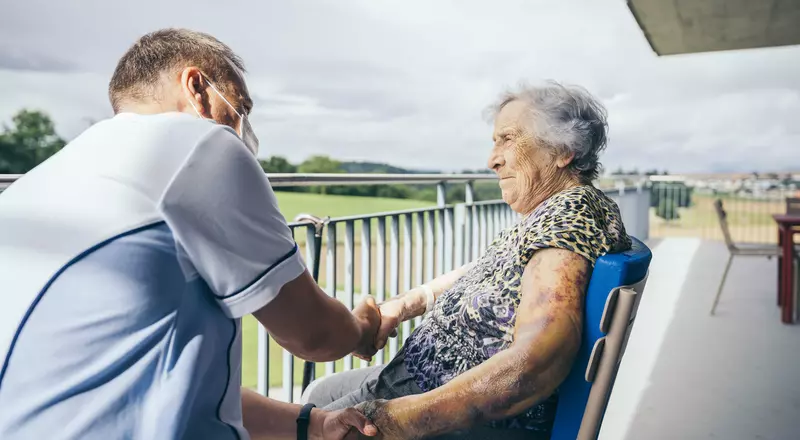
<point>377,411</point>
<point>392,314</point>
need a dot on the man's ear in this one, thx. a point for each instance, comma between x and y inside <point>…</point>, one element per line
<point>193,87</point>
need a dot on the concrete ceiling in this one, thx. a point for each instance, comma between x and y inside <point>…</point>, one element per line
<point>691,26</point>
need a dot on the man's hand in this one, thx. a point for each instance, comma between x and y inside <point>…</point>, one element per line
<point>339,425</point>
<point>369,319</point>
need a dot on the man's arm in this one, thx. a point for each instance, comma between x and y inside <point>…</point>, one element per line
<point>265,418</point>
<point>225,217</point>
<point>547,338</point>
<point>316,327</point>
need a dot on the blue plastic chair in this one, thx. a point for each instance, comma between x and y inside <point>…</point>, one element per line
<point>612,299</point>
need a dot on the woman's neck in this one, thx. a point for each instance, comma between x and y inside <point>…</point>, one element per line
<point>557,184</point>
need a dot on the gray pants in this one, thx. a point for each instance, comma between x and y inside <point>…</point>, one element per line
<point>349,388</point>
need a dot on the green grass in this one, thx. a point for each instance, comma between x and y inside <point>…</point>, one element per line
<point>749,220</point>
<point>320,205</point>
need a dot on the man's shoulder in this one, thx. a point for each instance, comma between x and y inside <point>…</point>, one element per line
<point>141,152</point>
<point>152,128</point>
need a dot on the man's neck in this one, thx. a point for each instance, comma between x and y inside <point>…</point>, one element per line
<point>146,108</point>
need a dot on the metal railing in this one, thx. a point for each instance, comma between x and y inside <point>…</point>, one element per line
<point>384,254</point>
<point>8,179</point>
<point>685,207</point>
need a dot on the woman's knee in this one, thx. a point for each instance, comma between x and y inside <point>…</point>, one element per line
<point>328,389</point>
<point>318,393</point>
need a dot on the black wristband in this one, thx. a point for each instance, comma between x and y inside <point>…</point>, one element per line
<point>303,420</point>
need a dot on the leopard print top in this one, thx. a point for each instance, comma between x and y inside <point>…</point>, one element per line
<point>474,319</point>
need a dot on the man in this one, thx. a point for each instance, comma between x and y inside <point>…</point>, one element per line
<point>128,258</point>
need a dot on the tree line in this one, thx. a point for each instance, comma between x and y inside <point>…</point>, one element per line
<point>31,138</point>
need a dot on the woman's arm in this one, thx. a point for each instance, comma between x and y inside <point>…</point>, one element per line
<point>411,304</point>
<point>407,306</point>
<point>547,338</point>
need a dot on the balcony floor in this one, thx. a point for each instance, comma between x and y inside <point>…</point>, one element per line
<point>687,375</point>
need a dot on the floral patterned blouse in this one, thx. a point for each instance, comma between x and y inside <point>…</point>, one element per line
<point>474,319</point>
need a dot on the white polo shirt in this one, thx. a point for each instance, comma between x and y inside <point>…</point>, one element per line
<point>126,261</point>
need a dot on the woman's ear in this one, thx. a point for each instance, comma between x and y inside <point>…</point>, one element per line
<point>565,159</point>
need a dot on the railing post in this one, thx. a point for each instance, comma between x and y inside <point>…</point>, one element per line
<point>644,210</point>
<point>349,276</point>
<point>263,361</point>
<point>288,376</point>
<point>419,256</point>
<point>469,221</point>
<point>366,263</point>
<point>381,273</point>
<point>484,225</point>
<point>441,242</point>
<point>394,274</point>
<point>330,279</point>
<point>408,253</point>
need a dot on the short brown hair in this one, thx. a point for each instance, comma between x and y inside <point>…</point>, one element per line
<point>140,69</point>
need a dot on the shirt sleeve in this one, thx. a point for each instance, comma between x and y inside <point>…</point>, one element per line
<point>571,221</point>
<point>223,213</point>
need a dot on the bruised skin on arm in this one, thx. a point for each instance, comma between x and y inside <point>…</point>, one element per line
<point>547,336</point>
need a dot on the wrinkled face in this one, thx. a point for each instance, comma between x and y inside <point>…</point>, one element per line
<point>528,172</point>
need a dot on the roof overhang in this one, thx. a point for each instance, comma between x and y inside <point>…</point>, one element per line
<point>690,26</point>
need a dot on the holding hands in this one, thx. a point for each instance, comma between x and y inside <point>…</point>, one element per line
<point>378,324</point>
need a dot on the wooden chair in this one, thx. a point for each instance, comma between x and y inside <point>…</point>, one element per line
<point>740,249</point>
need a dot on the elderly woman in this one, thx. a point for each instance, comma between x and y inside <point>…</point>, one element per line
<point>501,334</point>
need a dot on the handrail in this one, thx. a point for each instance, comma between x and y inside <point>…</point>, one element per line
<point>302,179</point>
<point>8,179</point>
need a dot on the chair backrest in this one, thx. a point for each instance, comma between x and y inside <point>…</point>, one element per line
<point>612,299</point>
<point>793,205</point>
<point>722,216</point>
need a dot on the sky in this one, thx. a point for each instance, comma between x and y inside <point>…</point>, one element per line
<point>407,82</point>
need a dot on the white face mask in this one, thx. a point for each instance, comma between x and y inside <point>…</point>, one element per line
<point>245,129</point>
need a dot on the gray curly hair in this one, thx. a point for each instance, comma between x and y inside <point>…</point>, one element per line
<point>567,119</point>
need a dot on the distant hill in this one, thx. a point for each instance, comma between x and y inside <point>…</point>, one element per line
<point>379,168</point>
<point>382,168</point>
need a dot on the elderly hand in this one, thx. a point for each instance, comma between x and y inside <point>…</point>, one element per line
<point>347,424</point>
<point>392,314</point>
<point>389,428</point>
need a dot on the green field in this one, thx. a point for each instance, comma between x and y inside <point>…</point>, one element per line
<point>749,220</point>
<point>290,205</point>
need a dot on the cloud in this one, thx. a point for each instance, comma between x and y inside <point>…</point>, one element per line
<point>406,81</point>
<point>14,59</point>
